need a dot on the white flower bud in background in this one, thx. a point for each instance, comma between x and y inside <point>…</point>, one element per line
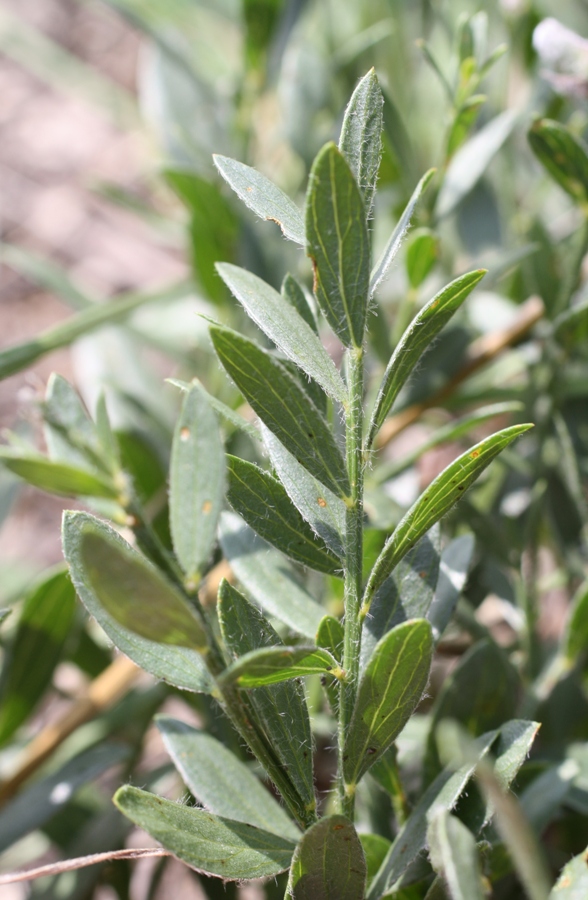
<point>564,56</point>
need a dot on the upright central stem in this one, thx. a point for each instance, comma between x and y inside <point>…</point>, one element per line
<point>353,565</point>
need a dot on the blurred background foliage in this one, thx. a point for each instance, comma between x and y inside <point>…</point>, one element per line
<point>266,82</point>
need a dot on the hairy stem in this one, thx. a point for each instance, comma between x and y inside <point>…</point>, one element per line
<point>353,566</point>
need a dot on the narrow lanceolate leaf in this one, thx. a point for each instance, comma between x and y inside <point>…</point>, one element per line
<point>406,594</point>
<point>264,504</point>
<point>224,411</point>
<point>208,843</point>
<point>69,432</point>
<point>411,839</point>
<point>443,493</point>
<point>454,856</point>
<point>284,325</point>
<point>158,630</point>
<point>262,196</point>
<point>220,781</point>
<point>328,862</point>
<point>324,512</point>
<point>388,256</point>
<point>273,665</point>
<point>35,650</point>
<point>564,156</point>
<point>416,340</point>
<point>361,135</point>
<point>283,406</point>
<point>56,477</point>
<point>268,578</point>
<point>572,884</point>
<point>471,161</point>
<point>197,476</point>
<point>388,693</point>
<point>280,708</point>
<point>453,573</point>
<point>293,293</point>
<point>338,244</point>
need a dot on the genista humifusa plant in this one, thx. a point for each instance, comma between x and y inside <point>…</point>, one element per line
<point>270,640</point>
<point>375,661</point>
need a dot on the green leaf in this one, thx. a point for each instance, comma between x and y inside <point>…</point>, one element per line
<point>208,843</point>
<point>564,156</point>
<point>389,691</point>
<point>471,161</point>
<point>56,477</point>
<point>375,847</point>
<point>328,862</point>
<point>38,803</point>
<point>463,123</point>
<point>482,692</point>
<point>388,256</point>
<point>117,582</point>
<point>18,357</point>
<point>273,665</point>
<point>575,637</point>
<point>283,406</point>
<point>443,493</point>
<point>69,432</point>
<point>281,708</point>
<point>213,227</point>
<point>43,627</point>
<point>197,481</point>
<point>454,856</point>
<point>361,135</point>
<point>228,414</point>
<point>268,577</point>
<point>220,781</point>
<point>4,613</point>
<point>421,255</point>
<point>416,340</point>
<point>324,512</point>
<point>263,197</point>
<point>338,245</point>
<point>572,883</point>
<point>406,594</point>
<point>331,636</point>
<point>46,274</point>
<point>294,294</point>
<point>264,504</point>
<point>453,573</point>
<point>282,323</point>
<point>411,839</point>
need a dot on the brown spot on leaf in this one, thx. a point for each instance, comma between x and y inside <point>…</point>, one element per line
<point>184,433</point>
<point>314,274</point>
<point>321,502</point>
<point>474,454</point>
<point>249,189</point>
<point>338,827</point>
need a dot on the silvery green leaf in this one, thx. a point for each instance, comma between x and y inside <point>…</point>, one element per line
<point>272,665</point>
<point>389,691</point>
<point>197,481</point>
<point>388,256</point>
<point>572,883</point>
<point>328,863</point>
<point>454,856</point>
<point>471,161</point>
<point>294,294</point>
<point>338,244</point>
<point>361,135</point>
<point>282,323</point>
<point>280,708</point>
<point>220,781</point>
<point>208,843</point>
<point>268,578</point>
<point>124,575</point>
<point>283,406</point>
<point>453,573</point>
<point>324,512</point>
<point>262,196</point>
<point>416,340</point>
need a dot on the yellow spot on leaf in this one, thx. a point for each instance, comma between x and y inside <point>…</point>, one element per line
<point>206,507</point>
<point>184,433</point>
<point>321,502</point>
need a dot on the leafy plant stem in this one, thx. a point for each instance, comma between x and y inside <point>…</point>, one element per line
<point>353,565</point>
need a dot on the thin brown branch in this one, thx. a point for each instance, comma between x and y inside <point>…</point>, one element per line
<point>69,865</point>
<point>103,692</point>
<point>481,352</point>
